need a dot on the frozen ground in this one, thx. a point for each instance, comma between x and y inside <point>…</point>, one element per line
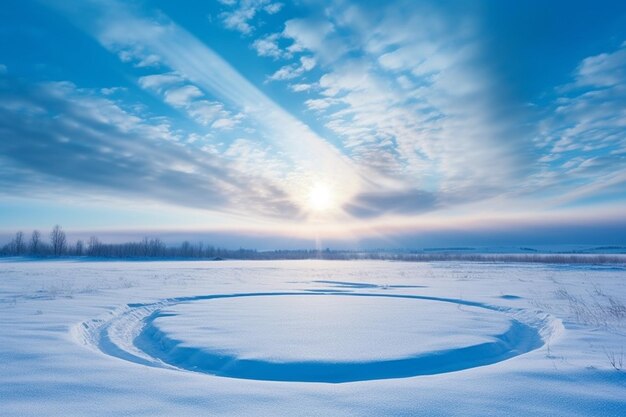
<point>311,338</point>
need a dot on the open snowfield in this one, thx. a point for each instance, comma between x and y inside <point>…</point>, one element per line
<point>311,338</point>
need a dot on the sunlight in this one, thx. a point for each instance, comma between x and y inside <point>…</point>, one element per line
<point>321,198</point>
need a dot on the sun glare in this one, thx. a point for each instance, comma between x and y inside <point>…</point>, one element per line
<point>320,198</point>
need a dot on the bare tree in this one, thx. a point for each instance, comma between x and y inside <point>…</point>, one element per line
<point>9,248</point>
<point>145,247</point>
<point>58,241</point>
<point>157,248</point>
<point>79,248</point>
<point>18,243</point>
<point>93,246</point>
<point>185,249</point>
<point>35,243</point>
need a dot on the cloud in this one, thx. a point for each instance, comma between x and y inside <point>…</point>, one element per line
<point>309,34</point>
<point>157,82</point>
<point>414,102</point>
<point>117,27</point>
<point>289,72</point>
<point>320,103</point>
<point>268,46</point>
<point>309,156</point>
<point>407,202</point>
<point>112,90</point>
<point>239,19</point>
<point>301,87</point>
<point>584,132</point>
<point>304,35</point>
<point>149,61</point>
<point>225,124</point>
<point>603,70</point>
<point>182,96</point>
<point>273,8</point>
<point>243,12</point>
<point>411,112</point>
<point>249,156</point>
<point>139,57</point>
<point>3,69</point>
<point>206,112</point>
<point>439,130</point>
<point>81,140</point>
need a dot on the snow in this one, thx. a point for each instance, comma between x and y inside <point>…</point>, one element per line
<point>330,328</point>
<point>344,338</point>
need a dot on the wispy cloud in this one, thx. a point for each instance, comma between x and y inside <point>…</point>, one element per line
<point>603,70</point>
<point>268,46</point>
<point>58,133</point>
<point>241,14</point>
<point>406,112</point>
<point>289,72</point>
<point>313,35</point>
<point>410,202</point>
<point>412,101</point>
<point>182,96</point>
<point>301,87</point>
<point>157,82</point>
<point>584,133</point>
<point>117,28</point>
<point>175,91</point>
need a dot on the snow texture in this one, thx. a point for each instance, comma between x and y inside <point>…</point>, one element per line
<point>345,338</point>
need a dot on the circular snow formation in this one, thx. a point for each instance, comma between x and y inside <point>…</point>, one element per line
<point>321,337</point>
<point>321,329</point>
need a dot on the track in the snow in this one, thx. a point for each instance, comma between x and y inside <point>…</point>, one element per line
<point>132,335</point>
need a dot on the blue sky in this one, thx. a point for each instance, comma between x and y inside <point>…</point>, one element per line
<point>339,119</point>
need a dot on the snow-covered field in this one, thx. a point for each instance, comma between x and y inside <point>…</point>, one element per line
<point>311,338</point>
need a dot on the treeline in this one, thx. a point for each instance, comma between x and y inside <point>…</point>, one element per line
<point>57,245</point>
<point>36,245</point>
<point>155,248</point>
<point>544,258</point>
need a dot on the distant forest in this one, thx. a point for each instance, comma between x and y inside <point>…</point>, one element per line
<point>57,245</point>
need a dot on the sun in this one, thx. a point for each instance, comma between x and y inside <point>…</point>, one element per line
<point>320,198</point>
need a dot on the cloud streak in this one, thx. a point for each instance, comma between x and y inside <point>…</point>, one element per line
<point>118,28</point>
<point>399,108</point>
<point>55,132</point>
<point>412,99</point>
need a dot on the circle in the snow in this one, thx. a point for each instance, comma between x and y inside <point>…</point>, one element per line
<point>307,337</point>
